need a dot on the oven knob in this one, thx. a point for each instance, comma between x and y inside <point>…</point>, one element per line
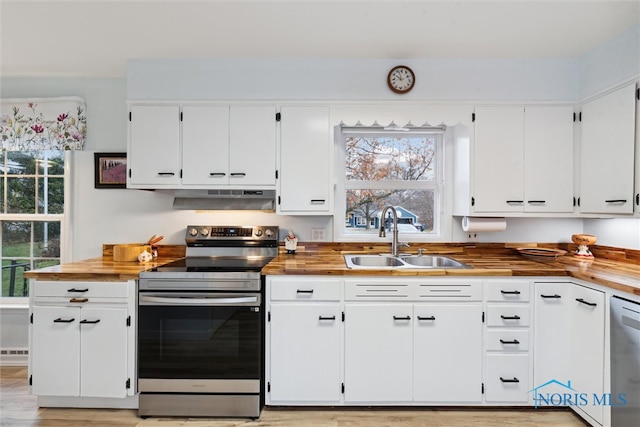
<point>258,232</point>
<point>268,233</point>
<point>204,231</point>
<point>193,231</point>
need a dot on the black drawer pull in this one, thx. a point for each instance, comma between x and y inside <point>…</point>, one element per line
<point>427,318</point>
<point>85,321</point>
<point>327,318</point>
<point>507,380</point>
<point>623,201</point>
<point>537,202</point>
<point>509,342</point>
<point>61,320</point>
<point>78,290</point>
<point>591,304</point>
<point>79,300</point>
<point>166,173</point>
<point>510,292</point>
<point>317,201</point>
<point>550,296</point>
<point>515,202</point>
<point>217,174</point>
<point>401,317</point>
<point>516,317</point>
<point>238,174</point>
<point>305,291</point>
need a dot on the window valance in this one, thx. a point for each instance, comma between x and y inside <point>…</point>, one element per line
<point>39,124</point>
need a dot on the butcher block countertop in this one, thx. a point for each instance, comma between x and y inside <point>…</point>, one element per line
<point>613,267</point>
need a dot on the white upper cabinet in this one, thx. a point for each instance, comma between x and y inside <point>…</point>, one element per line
<point>523,159</point>
<point>304,186</point>
<point>607,153</point>
<point>154,146</point>
<point>205,145</point>
<point>202,146</point>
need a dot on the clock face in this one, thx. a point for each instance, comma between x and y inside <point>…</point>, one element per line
<point>401,79</point>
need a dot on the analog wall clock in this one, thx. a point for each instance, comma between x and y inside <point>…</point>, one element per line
<point>401,79</point>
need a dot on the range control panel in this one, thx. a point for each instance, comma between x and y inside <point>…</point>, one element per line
<point>202,233</point>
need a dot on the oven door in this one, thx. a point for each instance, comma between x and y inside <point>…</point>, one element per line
<point>199,342</point>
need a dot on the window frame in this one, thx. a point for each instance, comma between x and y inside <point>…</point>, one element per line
<point>63,218</point>
<point>442,184</point>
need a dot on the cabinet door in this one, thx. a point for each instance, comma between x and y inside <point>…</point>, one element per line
<point>552,334</point>
<point>498,159</point>
<point>304,184</point>
<point>252,149</point>
<point>447,353</point>
<point>205,145</point>
<point>154,146</point>
<point>378,353</point>
<point>55,351</point>
<point>548,156</point>
<point>305,357</point>
<point>587,346</point>
<point>103,352</point>
<point>607,153</point>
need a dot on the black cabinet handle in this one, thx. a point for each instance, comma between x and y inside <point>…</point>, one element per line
<point>427,318</point>
<point>507,380</point>
<point>510,292</point>
<point>85,321</point>
<point>401,317</point>
<point>238,174</point>
<point>590,304</point>
<point>305,291</point>
<point>61,320</point>
<point>327,318</point>
<point>217,174</point>
<point>78,290</point>
<point>515,202</point>
<point>166,173</point>
<point>537,202</point>
<point>317,201</point>
<point>550,296</point>
<point>509,342</point>
<point>516,317</point>
<point>638,199</point>
<point>623,201</point>
<point>79,300</point>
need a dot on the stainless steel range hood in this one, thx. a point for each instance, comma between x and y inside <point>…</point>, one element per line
<point>261,200</point>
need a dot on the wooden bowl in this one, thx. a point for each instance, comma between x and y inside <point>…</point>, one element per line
<point>583,239</point>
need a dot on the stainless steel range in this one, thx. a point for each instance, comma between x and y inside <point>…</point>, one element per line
<point>200,328</point>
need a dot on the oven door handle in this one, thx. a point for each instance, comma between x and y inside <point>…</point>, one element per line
<point>151,300</point>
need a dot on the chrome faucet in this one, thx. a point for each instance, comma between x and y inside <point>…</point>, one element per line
<point>383,233</point>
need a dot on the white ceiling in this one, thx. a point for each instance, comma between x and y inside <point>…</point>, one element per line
<point>95,38</point>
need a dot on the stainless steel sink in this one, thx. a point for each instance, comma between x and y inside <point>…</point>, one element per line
<point>387,262</point>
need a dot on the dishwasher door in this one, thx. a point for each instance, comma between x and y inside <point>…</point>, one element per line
<point>625,361</point>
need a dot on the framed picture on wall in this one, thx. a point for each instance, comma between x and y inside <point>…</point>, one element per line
<point>110,170</point>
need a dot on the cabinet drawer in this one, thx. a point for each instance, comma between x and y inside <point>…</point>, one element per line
<point>449,291</point>
<point>507,340</point>
<point>383,290</point>
<point>507,378</point>
<point>302,289</point>
<point>508,290</point>
<point>79,289</point>
<point>507,315</point>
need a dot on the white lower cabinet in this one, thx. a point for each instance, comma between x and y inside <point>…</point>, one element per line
<point>378,352</point>
<point>81,339</point>
<point>506,378</point>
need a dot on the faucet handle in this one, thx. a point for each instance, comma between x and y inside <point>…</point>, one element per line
<point>403,244</point>
<point>420,251</point>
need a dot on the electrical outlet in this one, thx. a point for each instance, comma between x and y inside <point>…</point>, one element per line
<point>472,237</point>
<point>318,235</point>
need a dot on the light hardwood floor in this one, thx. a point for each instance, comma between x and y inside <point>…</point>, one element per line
<point>18,408</point>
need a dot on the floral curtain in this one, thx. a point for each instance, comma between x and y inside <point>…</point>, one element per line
<point>41,124</point>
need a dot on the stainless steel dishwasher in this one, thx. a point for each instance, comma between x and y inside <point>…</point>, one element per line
<point>625,361</point>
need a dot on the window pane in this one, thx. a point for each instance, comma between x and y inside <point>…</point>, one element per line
<point>16,239</point>
<point>46,236</point>
<point>50,162</point>
<point>415,210</point>
<point>390,158</point>
<point>21,163</point>
<point>1,194</point>
<point>14,284</point>
<point>51,195</point>
<point>21,195</point>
